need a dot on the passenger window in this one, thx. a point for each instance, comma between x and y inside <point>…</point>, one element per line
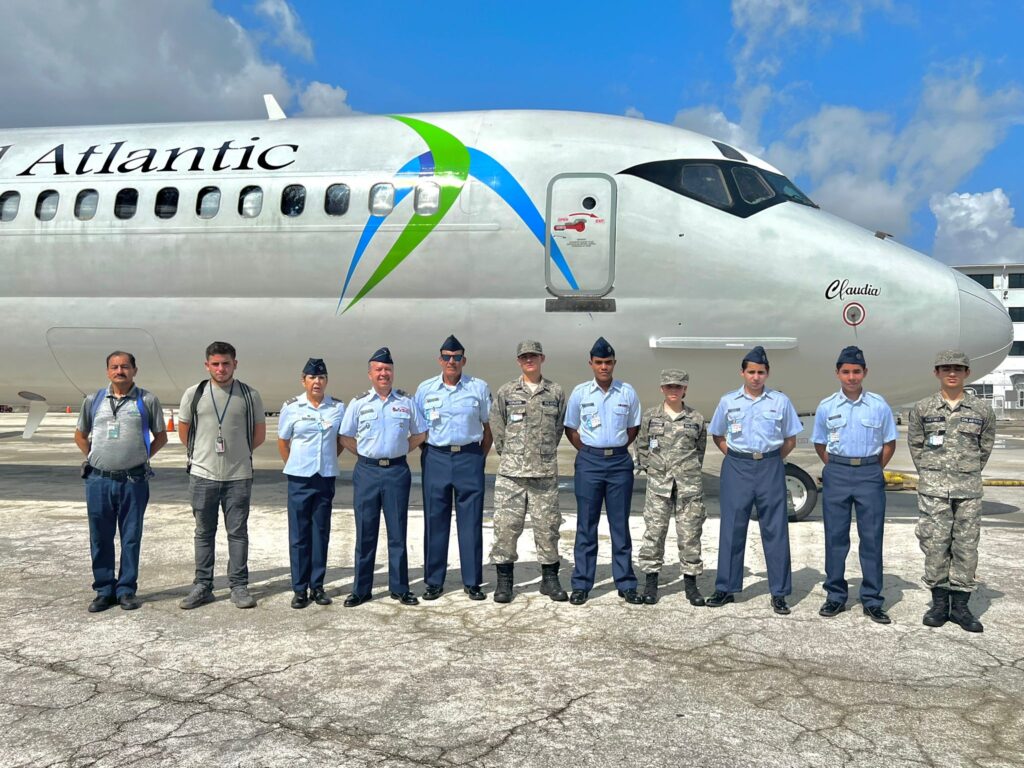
<point>427,198</point>
<point>382,199</point>
<point>336,200</point>
<point>753,189</point>
<point>166,203</point>
<point>208,202</point>
<point>46,204</point>
<point>706,182</point>
<point>293,200</point>
<point>126,203</point>
<point>250,202</point>
<point>86,203</point>
<point>9,204</point>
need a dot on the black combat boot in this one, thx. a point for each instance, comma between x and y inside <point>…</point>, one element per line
<point>651,589</point>
<point>938,614</point>
<point>960,614</point>
<point>549,584</point>
<point>503,592</point>
<point>690,589</point>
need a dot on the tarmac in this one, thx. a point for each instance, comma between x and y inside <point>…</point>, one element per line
<point>462,683</point>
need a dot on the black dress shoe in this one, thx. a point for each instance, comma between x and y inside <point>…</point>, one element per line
<point>631,596</point>
<point>718,599</point>
<point>831,608</point>
<point>779,605</point>
<point>300,599</point>
<point>877,614</point>
<point>129,602</point>
<point>433,592</point>
<point>579,596</point>
<point>475,593</point>
<point>405,598</point>
<point>353,600</point>
<point>320,597</point>
<point>101,603</point>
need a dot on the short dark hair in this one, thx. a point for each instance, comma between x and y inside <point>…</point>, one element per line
<point>119,353</point>
<point>220,348</point>
<point>745,363</point>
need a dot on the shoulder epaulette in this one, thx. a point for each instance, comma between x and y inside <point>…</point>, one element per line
<point>401,393</point>
<point>291,400</point>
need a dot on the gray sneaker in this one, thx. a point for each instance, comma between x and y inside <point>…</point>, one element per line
<point>241,598</point>
<point>200,595</point>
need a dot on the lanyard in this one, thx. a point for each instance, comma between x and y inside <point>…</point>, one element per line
<point>117,404</point>
<point>220,415</point>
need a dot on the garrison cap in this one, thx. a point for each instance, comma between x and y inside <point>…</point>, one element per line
<point>674,376</point>
<point>451,344</point>
<point>528,347</point>
<point>851,356</point>
<point>315,367</point>
<point>952,357</point>
<point>382,355</point>
<point>602,348</point>
<point>756,356</point>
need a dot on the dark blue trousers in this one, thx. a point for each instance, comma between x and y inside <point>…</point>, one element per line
<point>376,489</point>
<point>604,480</point>
<point>744,483</point>
<point>845,487</point>
<point>112,506</point>
<point>447,478</point>
<point>309,529</point>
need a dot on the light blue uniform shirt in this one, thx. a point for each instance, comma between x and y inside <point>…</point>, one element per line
<point>755,426</point>
<point>382,427</point>
<point>600,417</point>
<point>314,435</point>
<point>854,428</point>
<point>454,415</point>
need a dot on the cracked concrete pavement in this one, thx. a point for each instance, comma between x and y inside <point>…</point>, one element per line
<point>455,682</point>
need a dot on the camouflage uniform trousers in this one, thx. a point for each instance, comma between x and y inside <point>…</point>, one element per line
<point>949,530</point>
<point>690,514</point>
<point>513,498</point>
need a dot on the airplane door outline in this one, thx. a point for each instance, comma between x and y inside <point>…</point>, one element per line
<point>580,217</point>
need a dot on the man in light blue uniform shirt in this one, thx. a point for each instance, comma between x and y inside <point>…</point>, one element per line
<point>602,418</point>
<point>756,428</point>
<point>855,436</point>
<point>455,408</point>
<point>381,427</point>
<point>307,439</point>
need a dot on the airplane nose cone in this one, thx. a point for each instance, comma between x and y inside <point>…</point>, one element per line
<point>985,328</point>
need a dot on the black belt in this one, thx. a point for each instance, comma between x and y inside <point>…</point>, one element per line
<point>605,451</point>
<point>398,461</point>
<point>755,456</point>
<point>467,448</point>
<point>853,462</point>
<point>121,475</point>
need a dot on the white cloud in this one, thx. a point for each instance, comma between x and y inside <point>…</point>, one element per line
<point>289,33</point>
<point>713,122</point>
<point>323,100</point>
<point>634,112</point>
<point>976,229</point>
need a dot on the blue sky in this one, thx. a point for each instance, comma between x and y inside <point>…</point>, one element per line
<point>901,116</point>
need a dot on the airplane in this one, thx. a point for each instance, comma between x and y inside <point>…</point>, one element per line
<point>330,237</point>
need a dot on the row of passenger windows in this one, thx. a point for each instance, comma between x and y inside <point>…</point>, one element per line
<point>167,203</point>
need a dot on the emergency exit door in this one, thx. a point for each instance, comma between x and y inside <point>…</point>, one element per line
<point>580,242</point>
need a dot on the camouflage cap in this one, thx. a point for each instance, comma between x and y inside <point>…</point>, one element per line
<point>952,357</point>
<point>528,347</point>
<point>674,376</point>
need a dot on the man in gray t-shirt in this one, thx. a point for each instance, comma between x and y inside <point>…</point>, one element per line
<point>113,432</point>
<point>221,422</point>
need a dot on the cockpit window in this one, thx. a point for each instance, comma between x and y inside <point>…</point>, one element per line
<point>752,187</point>
<point>788,189</point>
<point>705,182</point>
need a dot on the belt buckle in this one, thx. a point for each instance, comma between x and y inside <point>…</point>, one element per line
<point>456,448</point>
<point>609,451</point>
<point>855,462</point>
<point>383,462</point>
<point>757,455</point>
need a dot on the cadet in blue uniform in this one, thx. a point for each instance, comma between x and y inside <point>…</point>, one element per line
<point>455,408</point>
<point>601,419</point>
<point>307,439</point>
<point>855,435</point>
<point>381,427</point>
<point>756,428</point>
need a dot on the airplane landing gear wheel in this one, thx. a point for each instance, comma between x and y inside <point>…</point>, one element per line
<point>802,490</point>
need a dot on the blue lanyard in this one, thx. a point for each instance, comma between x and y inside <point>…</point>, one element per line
<point>220,416</point>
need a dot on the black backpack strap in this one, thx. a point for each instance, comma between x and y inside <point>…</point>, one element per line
<point>250,416</point>
<point>193,410</point>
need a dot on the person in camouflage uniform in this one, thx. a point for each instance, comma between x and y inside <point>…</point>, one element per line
<point>951,434</point>
<point>526,419</point>
<point>670,449</point>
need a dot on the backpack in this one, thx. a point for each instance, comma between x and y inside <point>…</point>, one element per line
<point>101,395</point>
<point>250,419</point>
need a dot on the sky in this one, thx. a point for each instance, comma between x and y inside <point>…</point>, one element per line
<point>905,117</point>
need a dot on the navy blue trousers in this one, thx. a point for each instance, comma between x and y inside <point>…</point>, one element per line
<point>376,489</point>
<point>843,488</point>
<point>112,506</point>
<point>606,480</point>
<point>453,478</point>
<point>309,529</point>
<point>744,483</point>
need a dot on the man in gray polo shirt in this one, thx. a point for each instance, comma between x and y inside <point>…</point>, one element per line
<point>113,432</point>
<point>221,422</point>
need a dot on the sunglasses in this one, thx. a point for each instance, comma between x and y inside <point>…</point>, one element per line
<point>452,358</point>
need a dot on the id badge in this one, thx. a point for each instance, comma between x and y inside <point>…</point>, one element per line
<point>113,431</point>
<point>935,440</point>
<point>220,447</point>
<point>595,421</point>
<point>833,436</point>
<point>654,443</point>
<point>515,417</point>
<point>325,426</point>
<point>435,414</point>
<point>735,428</point>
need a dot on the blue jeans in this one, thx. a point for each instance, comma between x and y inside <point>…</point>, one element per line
<point>208,497</point>
<point>115,505</point>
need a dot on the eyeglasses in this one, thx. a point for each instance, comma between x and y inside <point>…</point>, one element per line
<point>452,358</point>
